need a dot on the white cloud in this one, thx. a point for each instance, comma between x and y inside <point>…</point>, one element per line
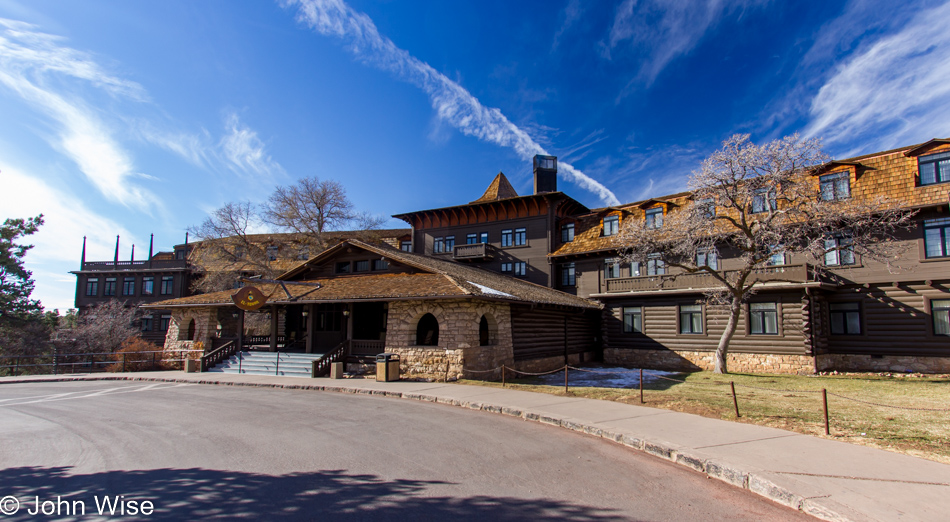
<point>572,13</point>
<point>663,30</point>
<point>244,151</point>
<point>58,243</point>
<point>893,91</point>
<point>451,102</point>
<point>26,59</point>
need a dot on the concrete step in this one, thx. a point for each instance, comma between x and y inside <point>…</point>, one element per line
<point>246,371</point>
<point>269,363</point>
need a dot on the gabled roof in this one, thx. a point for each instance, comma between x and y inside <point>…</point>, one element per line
<point>499,188</point>
<point>438,279</point>
<point>831,165</point>
<point>923,147</point>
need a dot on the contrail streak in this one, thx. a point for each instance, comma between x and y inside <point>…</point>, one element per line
<point>450,100</point>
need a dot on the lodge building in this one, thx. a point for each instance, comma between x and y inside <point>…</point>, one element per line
<point>535,281</point>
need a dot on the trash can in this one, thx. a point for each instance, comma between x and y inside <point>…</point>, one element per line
<point>387,367</point>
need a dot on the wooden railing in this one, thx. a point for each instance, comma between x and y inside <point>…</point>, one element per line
<point>321,366</point>
<point>779,273</point>
<point>263,340</point>
<point>363,347</point>
<point>474,251</point>
<point>106,266</point>
<point>215,357</point>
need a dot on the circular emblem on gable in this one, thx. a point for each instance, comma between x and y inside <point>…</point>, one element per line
<point>249,298</point>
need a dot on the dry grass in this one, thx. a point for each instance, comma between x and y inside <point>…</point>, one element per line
<point>791,402</point>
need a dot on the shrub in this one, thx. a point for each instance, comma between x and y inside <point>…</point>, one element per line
<point>139,356</point>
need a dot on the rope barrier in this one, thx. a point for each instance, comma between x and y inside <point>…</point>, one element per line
<point>910,408</point>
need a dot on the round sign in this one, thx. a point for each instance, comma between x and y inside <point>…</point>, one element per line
<point>249,298</point>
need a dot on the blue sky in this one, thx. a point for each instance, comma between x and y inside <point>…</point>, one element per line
<point>132,118</point>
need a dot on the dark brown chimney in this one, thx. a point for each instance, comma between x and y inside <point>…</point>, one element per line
<point>545,174</point>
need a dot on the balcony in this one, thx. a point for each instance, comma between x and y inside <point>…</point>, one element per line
<point>473,252</point>
<point>123,266</point>
<point>771,274</point>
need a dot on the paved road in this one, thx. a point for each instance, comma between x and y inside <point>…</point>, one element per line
<point>199,451</point>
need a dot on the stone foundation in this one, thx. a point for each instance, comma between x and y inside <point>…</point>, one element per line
<point>884,363</point>
<point>694,361</point>
<point>548,364</point>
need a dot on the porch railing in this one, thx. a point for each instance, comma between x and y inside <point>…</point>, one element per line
<point>783,273</point>
<point>321,366</point>
<point>365,347</point>
<point>474,251</point>
<point>215,357</point>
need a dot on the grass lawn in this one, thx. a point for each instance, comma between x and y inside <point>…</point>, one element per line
<point>788,402</point>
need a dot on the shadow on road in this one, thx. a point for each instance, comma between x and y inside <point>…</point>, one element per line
<point>190,494</point>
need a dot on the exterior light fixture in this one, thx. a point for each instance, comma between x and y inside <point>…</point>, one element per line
<point>346,313</point>
<point>305,313</point>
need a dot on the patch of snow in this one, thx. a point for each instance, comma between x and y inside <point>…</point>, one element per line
<point>607,377</point>
<point>490,291</point>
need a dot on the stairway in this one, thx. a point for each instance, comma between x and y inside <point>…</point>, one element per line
<point>267,363</point>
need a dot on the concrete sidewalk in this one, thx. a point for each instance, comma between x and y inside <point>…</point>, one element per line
<point>828,479</point>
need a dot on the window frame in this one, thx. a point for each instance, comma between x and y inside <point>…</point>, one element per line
<point>945,310</point>
<point>567,232</point>
<point>612,266</point>
<point>521,236</point>
<point>568,274</point>
<point>708,207</point>
<point>93,284</point>
<point>832,181</point>
<point>703,257</point>
<point>859,310</point>
<point>520,269</point>
<point>128,286</point>
<point>169,282</point>
<point>379,265</point>
<point>655,265</point>
<point>766,198</point>
<point>636,314</point>
<point>691,314</point>
<point>438,245</point>
<point>405,246</point>
<point>449,244</point>
<point>939,175</point>
<point>752,313</point>
<point>506,268</point>
<point>343,267</point>
<point>507,237</point>
<point>109,287</point>
<point>842,255</point>
<point>611,225</point>
<point>361,265</point>
<point>653,218</point>
<point>471,239</point>
<point>942,226</point>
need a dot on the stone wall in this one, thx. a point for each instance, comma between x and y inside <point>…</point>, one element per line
<point>176,338</point>
<point>458,353</point>
<point>883,363</point>
<point>693,361</point>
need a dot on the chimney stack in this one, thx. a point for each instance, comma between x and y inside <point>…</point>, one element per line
<point>545,174</point>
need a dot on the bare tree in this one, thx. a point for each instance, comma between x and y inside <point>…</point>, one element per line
<point>104,327</point>
<point>753,203</point>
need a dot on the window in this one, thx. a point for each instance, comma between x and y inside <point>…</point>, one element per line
<point>521,268</point>
<point>521,237</point>
<point>128,286</point>
<point>148,285</point>
<point>109,288</point>
<point>506,238</point>
<point>272,252</point>
<point>484,237</point>
<point>343,267</point>
<point>546,162</point>
<point>449,243</point>
<point>405,246</point>
<point>361,265</point>
<point>611,225</point>
<point>760,198</point>
<point>845,318</point>
<point>163,322</point>
<point>239,252</point>
<point>691,319</point>
<point>168,285</point>
<point>484,332</point>
<point>777,256</point>
<point>940,311</point>
<point>567,232</point>
<point>179,254</point>
<point>634,269</point>
<point>506,267</point>
<point>380,264</point>
<point>763,318</point>
<point>471,239</point>
<point>655,265</point>
<point>835,186</point>
<point>839,251</point>
<point>147,324</point>
<point>568,276</point>
<point>438,245</point>
<point>934,168</point>
<point>92,286</point>
<point>303,253</point>
<point>611,268</point>
<point>633,319</point>
<point>707,207</point>
<point>937,237</point>
<point>654,218</point>
<point>427,331</point>
<point>708,258</point>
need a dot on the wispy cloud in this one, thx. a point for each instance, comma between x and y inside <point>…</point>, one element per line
<point>451,102</point>
<point>892,91</point>
<point>30,62</point>
<point>659,31</point>
<point>572,13</point>
<point>244,151</point>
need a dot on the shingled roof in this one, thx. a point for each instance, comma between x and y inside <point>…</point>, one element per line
<point>440,279</point>
<point>499,188</point>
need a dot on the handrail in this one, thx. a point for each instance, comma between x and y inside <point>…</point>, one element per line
<point>213,358</point>
<point>322,365</point>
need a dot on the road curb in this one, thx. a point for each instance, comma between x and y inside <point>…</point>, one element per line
<point>750,480</point>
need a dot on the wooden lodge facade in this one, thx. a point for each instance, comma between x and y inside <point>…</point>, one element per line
<point>543,275</point>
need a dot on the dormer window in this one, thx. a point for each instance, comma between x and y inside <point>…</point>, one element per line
<point>567,232</point>
<point>272,252</point>
<point>763,200</point>
<point>934,168</point>
<point>707,207</point>
<point>654,218</point>
<point>611,225</point>
<point>835,186</point>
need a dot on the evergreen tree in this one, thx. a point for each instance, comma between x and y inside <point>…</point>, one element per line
<point>16,283</point>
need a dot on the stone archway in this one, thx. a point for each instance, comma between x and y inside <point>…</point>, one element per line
<point>427,331</point>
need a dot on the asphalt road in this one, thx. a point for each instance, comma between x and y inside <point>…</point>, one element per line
<point>198,451</point>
